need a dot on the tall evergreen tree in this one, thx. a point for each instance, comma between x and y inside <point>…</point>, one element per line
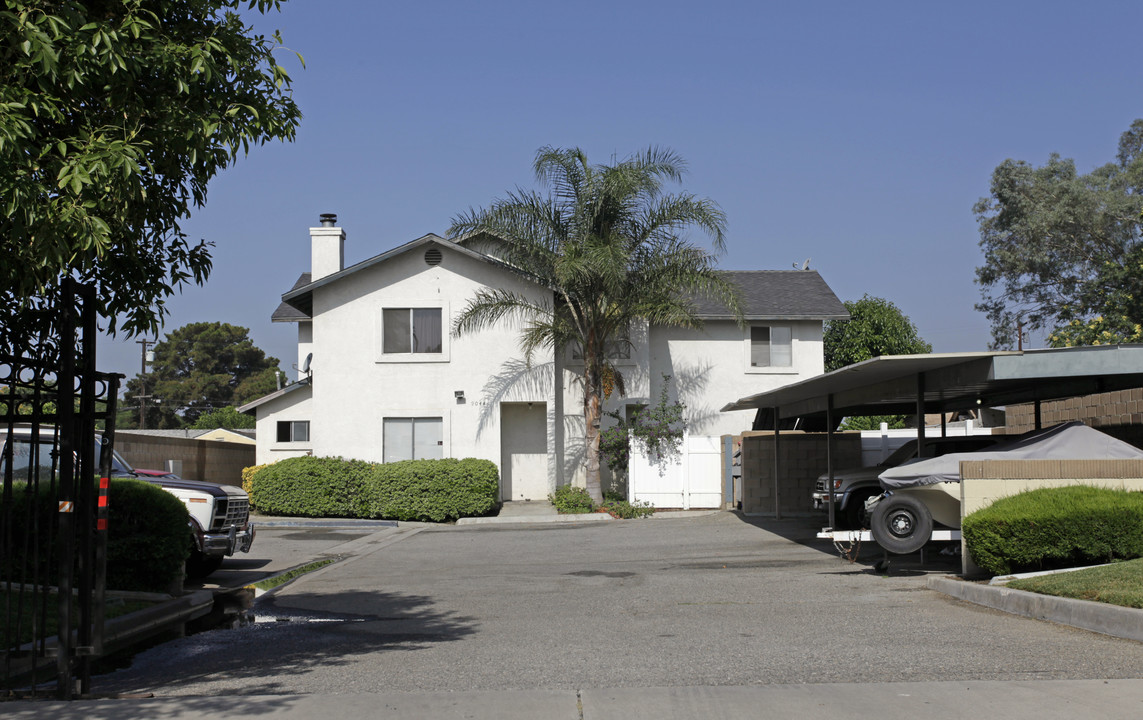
<point>198,368</point>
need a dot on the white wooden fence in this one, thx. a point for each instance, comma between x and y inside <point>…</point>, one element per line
<point>691,480</point>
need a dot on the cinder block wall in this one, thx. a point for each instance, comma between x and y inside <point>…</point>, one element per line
<point>802,459</point>
<point>210,460</point>
<point>1119,414</point>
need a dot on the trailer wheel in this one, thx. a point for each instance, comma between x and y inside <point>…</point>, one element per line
<point>901,524</point>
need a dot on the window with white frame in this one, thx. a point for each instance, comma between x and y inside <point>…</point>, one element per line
<point>293,431</point>
<point>771,346</point>
<point>618,348</point>
<point>411,330</point>
<point>412,438</point>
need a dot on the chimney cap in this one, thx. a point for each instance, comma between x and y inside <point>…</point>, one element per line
<point>328,219</point>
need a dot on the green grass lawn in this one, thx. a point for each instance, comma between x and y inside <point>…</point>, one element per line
<point>1116,584</point>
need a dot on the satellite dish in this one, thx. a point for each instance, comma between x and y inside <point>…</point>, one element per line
<point>306,364</point>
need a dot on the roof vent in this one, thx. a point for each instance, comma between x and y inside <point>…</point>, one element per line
<point>328,219</point>
<point>433,256</point>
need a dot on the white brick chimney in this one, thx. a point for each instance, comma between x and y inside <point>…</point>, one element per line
<point>327,248</point>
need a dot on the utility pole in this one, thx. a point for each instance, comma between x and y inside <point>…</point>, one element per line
<point>143,398</point>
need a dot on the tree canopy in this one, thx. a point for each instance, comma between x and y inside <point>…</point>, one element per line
<point>114,116</point>
<point>1061,250</point>
<point>607,240</point>
<point>198,368</point>
<point>227,417</point>
<point>875,327</point>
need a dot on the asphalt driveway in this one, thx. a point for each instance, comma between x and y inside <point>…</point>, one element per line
<point>707,601</point>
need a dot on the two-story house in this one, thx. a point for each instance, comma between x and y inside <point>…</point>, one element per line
<point>384,379</point>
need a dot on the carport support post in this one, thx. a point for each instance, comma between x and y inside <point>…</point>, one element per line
<point>1039,419</point>
<point>829,460</point>
<point>777,465</point>
<point>921,415</point>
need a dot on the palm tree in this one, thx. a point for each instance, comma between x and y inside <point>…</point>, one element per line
<point>606,240</point>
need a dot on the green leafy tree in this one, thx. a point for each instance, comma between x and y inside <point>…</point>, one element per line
<point>1055,242</point>
<point>659,431</point>
<point>872,422</point>
<point>1114,299</point>
<point>114,116</point>
<point>227,417</point>
<point>875,327</point>
<point>607,240</point>
<point>198,368</point>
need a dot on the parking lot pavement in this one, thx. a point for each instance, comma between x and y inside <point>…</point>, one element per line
<point>698,602</point>
<point>282,547</point>
<point>1034,700</point>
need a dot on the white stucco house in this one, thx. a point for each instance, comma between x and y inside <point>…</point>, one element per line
<point>386,380</point>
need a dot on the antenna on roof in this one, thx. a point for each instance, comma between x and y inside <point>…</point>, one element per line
<point>805,265</point>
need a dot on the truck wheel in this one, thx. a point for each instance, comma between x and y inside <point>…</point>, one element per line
<point>200,566</point>
<point>901,524</point>
<point>855,515</point>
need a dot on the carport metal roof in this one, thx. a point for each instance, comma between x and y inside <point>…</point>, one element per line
<point>939,383</point>
<point>935,383</point>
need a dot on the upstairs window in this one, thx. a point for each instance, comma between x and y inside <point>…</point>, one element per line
<point>411,330</point>
<point>293,431</point>
<point>614,349</point>
<point>771,346</point>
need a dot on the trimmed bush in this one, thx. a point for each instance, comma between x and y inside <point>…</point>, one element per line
<point>313,487</point>
<point>428,490</point>
<point>434,490</point>
<point>148,538</point>
<point>248,474</point>
<point>570,500</point>
<point>1055,528</point>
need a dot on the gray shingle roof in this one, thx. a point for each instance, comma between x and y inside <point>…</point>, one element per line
<point>766,294</point>
<point>779,295</point>
<point>287,312</point>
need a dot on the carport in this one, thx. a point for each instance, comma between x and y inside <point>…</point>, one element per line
<point>940,383</point>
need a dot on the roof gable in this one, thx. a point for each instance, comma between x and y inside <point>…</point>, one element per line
<point>297,303</point>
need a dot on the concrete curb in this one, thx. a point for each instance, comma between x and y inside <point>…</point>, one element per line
<point>332,523</point>
<point>582,517</point>
<point>535,519</point>
<point>1098,617</point>
<point>127,629</point>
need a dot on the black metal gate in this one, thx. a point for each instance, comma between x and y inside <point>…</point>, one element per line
<point>53,510</point>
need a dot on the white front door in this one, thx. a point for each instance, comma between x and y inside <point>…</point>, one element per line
<point>524,451</point>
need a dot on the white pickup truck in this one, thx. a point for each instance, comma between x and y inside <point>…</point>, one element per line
<point>219,514</point>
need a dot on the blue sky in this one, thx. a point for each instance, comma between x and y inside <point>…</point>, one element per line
<point>856,134</point>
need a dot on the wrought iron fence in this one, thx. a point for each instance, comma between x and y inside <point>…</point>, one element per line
<point>53,507</point>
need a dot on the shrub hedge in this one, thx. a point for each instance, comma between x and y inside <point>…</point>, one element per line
<point>570,500</point>
<point>1055,527</point>
<point>248,474</point>
<point>424,490</point>
<point>148,538</point>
